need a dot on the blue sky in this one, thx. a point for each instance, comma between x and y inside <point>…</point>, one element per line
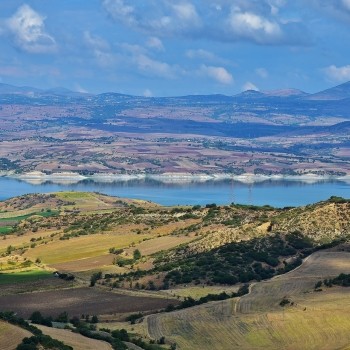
<point>175,47</point>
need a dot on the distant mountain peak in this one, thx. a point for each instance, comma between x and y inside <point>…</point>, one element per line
<point>250,94</point>
<point>338,92</point>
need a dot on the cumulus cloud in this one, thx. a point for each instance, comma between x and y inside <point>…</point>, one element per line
<point>79,88</point>
<point>339,9</point>
<point>155,43</point>
<point>262,72</point>
<point>152,67</point>
<point>95,41</point>
<point>338,74</point>
<point>259,21</point>
<point>28,30</point>
<point>251,26</point>
<point>161,18</point>
<point>186,12</point>
<point>118,9</point>
<point>100,49</point>
<point>249,86</point>
<point>205,55</point>
<point>219,74</point>
<point>346,4</point>
<point>147,93</point>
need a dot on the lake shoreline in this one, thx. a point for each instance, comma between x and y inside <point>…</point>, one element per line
<point>37,177</point>
<point>278,192</point>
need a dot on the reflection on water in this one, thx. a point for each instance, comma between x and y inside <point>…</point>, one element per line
<point>278,193</point>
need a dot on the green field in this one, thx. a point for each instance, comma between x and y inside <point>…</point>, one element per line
<point>25,276</point>
<point>5,229</point>
<point>44,214</point>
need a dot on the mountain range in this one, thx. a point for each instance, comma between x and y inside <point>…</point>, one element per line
<point>339,92</point>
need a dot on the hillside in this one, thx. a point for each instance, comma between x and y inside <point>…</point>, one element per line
<point>116,257</point>
<point>310,319</point>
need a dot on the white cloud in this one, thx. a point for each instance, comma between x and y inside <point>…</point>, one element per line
<point>79,88</point>
<point>262,72</point>
<point>147,93</point>
<point>186,12</point>
<point>28,29</point>
<point>254,27</point>
<point>339,74</point>
<point>276,5</point>
<point>95,41</point>
<point>346,4</point>
<point>155,43</point>
<point>100,49</point>
<point>152,67</point>
<point>249,86</point>
<point>259,21</point>
<point>161,18</point>
<point>202,54</point>
<point>219,74</point>
<point>119,10</point>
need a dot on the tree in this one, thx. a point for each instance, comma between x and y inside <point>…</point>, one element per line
<point>62,317</point>
<point>137,254</point>
<point>94,319</point>
<point>318,285</point>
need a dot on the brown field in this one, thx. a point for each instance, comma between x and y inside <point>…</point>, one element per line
<point>316,320</point>
<point>32,286</point>
<point>76,341</point>
<point>11,336</point>
<point>86,264</point>
<point>79,301</point>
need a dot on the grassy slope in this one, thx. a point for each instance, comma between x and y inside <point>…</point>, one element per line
<point>11,336</point>
<point>317,320</point>
<point>77,341</point>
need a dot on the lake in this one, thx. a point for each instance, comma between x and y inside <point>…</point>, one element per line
<point>278,193</point>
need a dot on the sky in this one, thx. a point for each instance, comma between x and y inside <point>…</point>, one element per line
<point>175,47</point>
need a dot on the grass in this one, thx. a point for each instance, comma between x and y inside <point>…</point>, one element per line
<point>44,214</point>
<point>197,292</point>
<point>5,229</point>
<point>25,276</point>
<point>316,320</point>
<point>82,247</point>
<point>77,341</point>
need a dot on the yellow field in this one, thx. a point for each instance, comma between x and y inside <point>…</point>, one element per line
<point>93,201</point>
<point>160,243</point>
<point>11,336</point>
<point>317,320</point>
<point>197,292</point>
<point>81,247</point>
<point>19,241</point>
<point>77,341</point>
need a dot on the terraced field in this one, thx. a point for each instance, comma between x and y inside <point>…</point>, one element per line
<point>11,336</point>
<point>316,320</point>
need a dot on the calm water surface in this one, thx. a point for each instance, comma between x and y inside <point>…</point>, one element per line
<point>276,193</point>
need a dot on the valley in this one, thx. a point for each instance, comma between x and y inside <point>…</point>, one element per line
<point>258,133</point>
